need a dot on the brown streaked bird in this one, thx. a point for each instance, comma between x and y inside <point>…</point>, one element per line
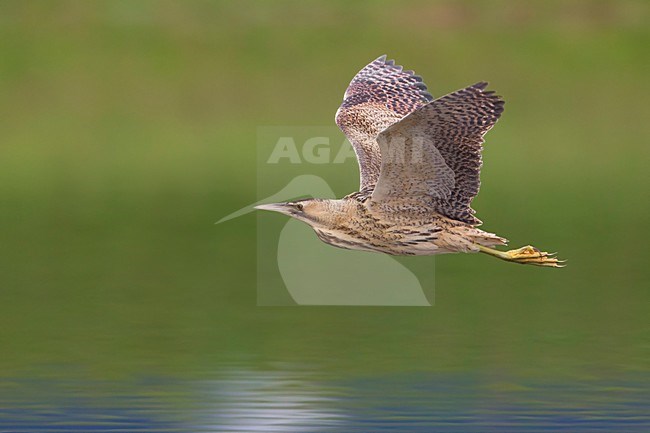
<point>419,161</point>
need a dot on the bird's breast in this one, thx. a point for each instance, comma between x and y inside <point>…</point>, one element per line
<point>392,240</point>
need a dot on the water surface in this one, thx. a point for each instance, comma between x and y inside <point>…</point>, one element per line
<point>241,399</point>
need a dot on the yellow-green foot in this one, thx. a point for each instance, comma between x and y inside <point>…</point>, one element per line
<point>527,255</point>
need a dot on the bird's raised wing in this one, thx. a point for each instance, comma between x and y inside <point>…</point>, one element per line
<point>432,157</point>
<point>378,96</point>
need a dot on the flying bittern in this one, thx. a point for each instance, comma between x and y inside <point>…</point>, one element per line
<point>419,161</point>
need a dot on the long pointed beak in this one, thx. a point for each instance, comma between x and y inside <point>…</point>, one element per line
<point>314,185</point>
<point>274,207</point>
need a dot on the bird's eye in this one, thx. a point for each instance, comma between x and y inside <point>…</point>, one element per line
<point>298,206</point>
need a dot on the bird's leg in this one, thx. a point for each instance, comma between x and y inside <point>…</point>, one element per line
<point>527,255</point>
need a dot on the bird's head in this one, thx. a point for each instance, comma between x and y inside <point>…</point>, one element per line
<point>315,212</point>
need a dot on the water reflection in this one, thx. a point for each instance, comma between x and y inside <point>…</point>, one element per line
<point>295,400</point>
<point>284,401</point>
<point>279,401</point>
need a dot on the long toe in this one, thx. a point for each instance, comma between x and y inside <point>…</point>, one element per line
<point>530,255</point>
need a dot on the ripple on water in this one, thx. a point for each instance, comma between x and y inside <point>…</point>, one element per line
<point>295,400</point>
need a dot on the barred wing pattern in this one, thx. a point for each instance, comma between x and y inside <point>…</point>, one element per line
<point>447,136</point>
<point>378,96</point>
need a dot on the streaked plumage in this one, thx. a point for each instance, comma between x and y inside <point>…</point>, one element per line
<point>377,97</point>
<point>419,163</point>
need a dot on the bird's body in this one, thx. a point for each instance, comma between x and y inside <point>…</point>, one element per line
<point>419,161</point>
<point>357,224</point>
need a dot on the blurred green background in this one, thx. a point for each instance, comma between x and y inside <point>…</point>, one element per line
<point>129,128</point>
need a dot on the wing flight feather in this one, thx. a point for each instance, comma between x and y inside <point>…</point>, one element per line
<point>379,95</point>
<point>432,157</point>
